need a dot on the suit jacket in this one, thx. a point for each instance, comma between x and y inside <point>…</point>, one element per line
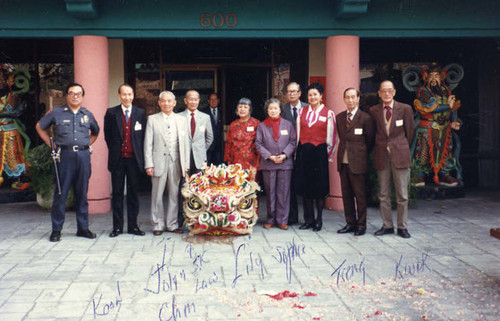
<point>155,143</point>
<point>357,140</point>
<point>287,113</point>
<point>203,136</point>
<point>113,134</point>
<point>400,136</point>
<point>267,146</point>
<point>217,128</point>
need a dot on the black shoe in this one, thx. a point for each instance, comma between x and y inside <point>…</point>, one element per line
<point>55,236</point>
<point>346,229</point>
<point>384,231</point>
<point>293,222</point>
<point>136,231</point>
<point>115,233</point>
<point>404,233</point>
<point>306,226</point>
<point>86,233</point>
<point>318,226</point>
<point>359,231</point>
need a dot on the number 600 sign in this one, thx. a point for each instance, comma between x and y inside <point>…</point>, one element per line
<point>218,20</point>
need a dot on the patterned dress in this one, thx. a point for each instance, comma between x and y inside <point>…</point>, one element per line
<point>240,145</point>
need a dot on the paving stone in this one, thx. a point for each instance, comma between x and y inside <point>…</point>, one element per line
<point>41,280</point>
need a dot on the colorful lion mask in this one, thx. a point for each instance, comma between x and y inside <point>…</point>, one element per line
<point>220,200</point>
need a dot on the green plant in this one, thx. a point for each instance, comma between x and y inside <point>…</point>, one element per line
<point>41,170</point>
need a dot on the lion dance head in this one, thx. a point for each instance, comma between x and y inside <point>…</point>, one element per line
<point>220,200</point>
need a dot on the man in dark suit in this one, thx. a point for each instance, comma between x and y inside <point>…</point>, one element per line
<point>391,158</point>
<point>124,127</point>
<point>355,130</point>
<point>215,152</point>
<point>290,112</point>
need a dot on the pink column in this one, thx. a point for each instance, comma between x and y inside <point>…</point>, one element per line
<point>91,70</point>
<point>342,71</point>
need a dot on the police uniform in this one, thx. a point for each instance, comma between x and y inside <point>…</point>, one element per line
<point>72,135</point>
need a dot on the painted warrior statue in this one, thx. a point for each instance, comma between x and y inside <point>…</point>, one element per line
<point>220,200</point>
<point>436,146</point>
<point>12,149</point>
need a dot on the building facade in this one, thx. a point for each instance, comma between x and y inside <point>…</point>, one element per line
<point>252,49</point>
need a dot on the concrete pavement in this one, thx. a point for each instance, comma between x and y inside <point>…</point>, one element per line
<point>448,270</point>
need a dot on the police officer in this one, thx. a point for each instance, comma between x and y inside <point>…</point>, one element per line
<point>75,129</point>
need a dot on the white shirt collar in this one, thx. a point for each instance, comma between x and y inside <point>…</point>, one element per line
<point>353,112</point>
<point>129,109</point>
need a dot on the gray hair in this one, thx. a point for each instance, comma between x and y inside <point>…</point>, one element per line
<point>293,83</point>
<point>244,101</point>
<point>166,92</point>
<point>271,101</point>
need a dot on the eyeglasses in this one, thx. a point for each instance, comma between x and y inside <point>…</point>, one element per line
<point>77,95</point>
<point>290,92</point>
<point>387,91</point>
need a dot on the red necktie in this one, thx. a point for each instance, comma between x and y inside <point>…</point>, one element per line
<point>193,125</point>
<point>388,113</point>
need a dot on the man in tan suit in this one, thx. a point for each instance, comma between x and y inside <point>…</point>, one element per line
<point>355,129</point>
<point>394,134</point>
<point>166,159</point>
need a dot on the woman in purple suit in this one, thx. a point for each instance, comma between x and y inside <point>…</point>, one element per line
<point>275,142</point>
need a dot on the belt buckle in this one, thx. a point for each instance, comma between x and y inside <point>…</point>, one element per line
<point>75,148</point>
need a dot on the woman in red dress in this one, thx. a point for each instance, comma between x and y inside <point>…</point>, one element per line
<point>240,140</point>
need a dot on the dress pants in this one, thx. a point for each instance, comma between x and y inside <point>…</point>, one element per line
<point>125,167</point>
<point>353,188</point>
<point>74,170</point>
<point>400,179</point>
<point>170,181</point>
<point>277,186</point>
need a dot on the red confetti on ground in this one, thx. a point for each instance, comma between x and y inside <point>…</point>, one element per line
<point>353,287</point>
<point>383,283</point>
<point>316,318</point>
<point>368,316</point>
<point>239,315</point>
<point>378,312</point>
<point>310,294</point>
<point>285,294</point>
<point>295,305</point>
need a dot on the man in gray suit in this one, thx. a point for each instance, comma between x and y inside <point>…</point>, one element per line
<point>166,159</point>
<point>290,112</point>
<point>199,131</point>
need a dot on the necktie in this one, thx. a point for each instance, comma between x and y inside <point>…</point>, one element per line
<point>294,113</point>
<point>388,113</point>
<point>126,115</point>
<point>349,114</point>
<point>214,112</point>
<point>193,125</point>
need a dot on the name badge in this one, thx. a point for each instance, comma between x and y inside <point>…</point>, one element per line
<point>202,128</point>
<point>66,121</point>
<point>322,118</point>
<point>284,132</point>
<point>250,129</point>
<point>137,126</point>
<point>358,131</point>
<point>399,123</point>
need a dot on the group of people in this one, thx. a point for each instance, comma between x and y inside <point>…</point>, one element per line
<point>291,149</point>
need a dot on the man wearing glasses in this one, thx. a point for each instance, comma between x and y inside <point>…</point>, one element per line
<point>290,112</point>
<point>391,157</point>
<point>75,129</point>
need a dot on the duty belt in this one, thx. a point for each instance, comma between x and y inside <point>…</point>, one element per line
<point>75,148</point>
